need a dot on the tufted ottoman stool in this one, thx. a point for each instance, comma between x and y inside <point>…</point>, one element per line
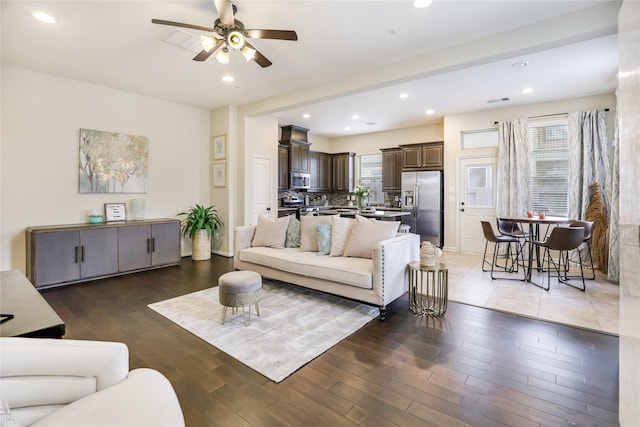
<point>240,289</point>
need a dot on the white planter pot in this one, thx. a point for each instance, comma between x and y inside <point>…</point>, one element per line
<point>201,246</point>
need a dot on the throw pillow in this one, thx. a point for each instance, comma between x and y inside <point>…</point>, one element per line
<point>309,236</point>
<point>6,419</point>
<point>293,233</point>
<point>270,232</point>
<point>324,238</point>
<point>340,233</point>
<point>366,233</point>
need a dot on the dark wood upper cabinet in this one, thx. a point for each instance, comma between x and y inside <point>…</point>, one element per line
<point>299,156</point>
<point>391,169</point>
<point>425,156</point>
<point>283,167</point>
<point>343,173</point>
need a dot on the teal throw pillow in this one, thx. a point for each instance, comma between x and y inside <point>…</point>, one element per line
<point>293,233</point>
<point>324,238</point>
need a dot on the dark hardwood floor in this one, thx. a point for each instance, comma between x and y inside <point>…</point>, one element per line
<point>473,367</point>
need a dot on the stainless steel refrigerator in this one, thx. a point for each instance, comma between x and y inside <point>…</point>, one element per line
<point>422,197</point>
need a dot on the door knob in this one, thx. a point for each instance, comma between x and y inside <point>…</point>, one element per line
<point>462,210</point>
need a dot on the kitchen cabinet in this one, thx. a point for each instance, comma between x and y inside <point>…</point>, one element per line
<point>425,156</point>
<point>63,254</point>
<point>320,170</point>
<point>343,172</point>
<point>299,156</point>
<point>391,169</point>
<point>283,167</point>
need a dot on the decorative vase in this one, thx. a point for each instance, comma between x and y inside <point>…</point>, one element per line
<point>201,246</point>
<point>428,254</point>
<point>361,203</point>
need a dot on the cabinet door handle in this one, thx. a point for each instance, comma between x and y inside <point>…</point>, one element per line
<point>153,244</point>
<point>82,254</point>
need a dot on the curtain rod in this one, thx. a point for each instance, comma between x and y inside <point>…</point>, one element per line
<point>546,115</point>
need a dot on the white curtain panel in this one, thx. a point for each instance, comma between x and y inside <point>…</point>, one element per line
<point>514,197</point>
<point>588,161</point>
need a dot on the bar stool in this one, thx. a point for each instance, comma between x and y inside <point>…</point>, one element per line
<point>562,239</point>
<point>497,240</point>
<point>404,228</point>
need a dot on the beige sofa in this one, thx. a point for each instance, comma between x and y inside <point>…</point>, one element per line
<point>73,383</point>
<point>378,280</point>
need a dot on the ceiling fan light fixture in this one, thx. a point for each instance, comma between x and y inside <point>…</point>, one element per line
<point>207,43</point>
<point>248,53</point>
<point>223,56</point>
<point>235,39</point>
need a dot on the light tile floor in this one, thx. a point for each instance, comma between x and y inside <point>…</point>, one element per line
<point>595,309</point>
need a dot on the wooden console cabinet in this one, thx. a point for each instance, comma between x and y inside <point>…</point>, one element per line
<point>64,254</point>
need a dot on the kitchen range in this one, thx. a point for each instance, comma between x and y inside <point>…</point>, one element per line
<point>296,204</point>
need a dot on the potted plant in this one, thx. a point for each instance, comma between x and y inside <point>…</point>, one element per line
<point>199,224</point>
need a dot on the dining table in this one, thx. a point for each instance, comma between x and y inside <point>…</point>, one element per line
<point>534,222</point>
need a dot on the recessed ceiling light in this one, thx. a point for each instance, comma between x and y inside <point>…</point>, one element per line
<point>404,95</point>
<point>520,64</point>
<point>527,90</point>
<point>306,115</point>
<point>347,128</point>
<point>421,4</point>
<point>429,111</point>
<point>355,117</point>
<point>227,79</point>
<point>44,17</point>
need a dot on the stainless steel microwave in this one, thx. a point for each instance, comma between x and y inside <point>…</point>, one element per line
<point>299,181</point>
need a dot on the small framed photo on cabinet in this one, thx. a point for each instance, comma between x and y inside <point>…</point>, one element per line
<point>115,212</point>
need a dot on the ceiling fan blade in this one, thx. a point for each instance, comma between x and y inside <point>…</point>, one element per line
<point>180,24</point>
<point>225,12</point>
<point>204,55</point>
<point>271,34</point>
<point>259,58</point>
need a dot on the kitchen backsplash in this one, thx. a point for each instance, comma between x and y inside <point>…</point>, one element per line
<point>335,199</point>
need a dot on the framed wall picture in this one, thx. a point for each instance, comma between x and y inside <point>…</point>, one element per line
<point>220,147</point>
<point>115,212</point>
<point>219,174</point>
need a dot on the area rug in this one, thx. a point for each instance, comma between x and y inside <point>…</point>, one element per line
<point>296,325</point>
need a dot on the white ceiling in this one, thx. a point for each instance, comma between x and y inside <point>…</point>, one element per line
<point>351,57</point>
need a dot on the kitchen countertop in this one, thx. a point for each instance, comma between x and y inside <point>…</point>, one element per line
<point>381,214</point>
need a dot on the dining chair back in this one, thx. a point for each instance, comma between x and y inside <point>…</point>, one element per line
<point>497,240</point>
<point>510,228</point>
<point>588,233</point>
<point>562,239</point>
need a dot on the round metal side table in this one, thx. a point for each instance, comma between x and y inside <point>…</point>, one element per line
<point>428,288</point>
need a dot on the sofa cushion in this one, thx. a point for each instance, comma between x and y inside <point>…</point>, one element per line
<point>324,238</point>
<point>309,236</point>
<point>356,272</point>
<point>340,233</point>
<point>293,233</point>
<point>366,233</point>
<point>270,232</point>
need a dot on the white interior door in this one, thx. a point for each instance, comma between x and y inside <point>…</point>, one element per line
<point>260,187</point>
<point>477,201</point>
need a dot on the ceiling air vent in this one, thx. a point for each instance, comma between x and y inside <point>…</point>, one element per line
<point>184,40</point>
<point>495,101</point>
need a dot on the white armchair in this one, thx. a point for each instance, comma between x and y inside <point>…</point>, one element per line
<point>49,382</point>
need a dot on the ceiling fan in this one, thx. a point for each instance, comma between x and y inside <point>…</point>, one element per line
<point>229,33</point>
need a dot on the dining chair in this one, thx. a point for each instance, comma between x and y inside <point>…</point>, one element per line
<point>497,240</point>
<point>561,239</point>
<point>588,233</point>
<point>513,229</point>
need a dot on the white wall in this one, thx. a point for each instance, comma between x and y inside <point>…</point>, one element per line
<point>455,124</point>
<point>42,115</point>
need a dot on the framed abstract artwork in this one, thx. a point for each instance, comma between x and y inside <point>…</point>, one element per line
<point>220,147</point>
<point>113,162</point>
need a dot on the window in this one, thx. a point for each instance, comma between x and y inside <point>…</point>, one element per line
<point>549,146</point>
<point>370,175</point>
